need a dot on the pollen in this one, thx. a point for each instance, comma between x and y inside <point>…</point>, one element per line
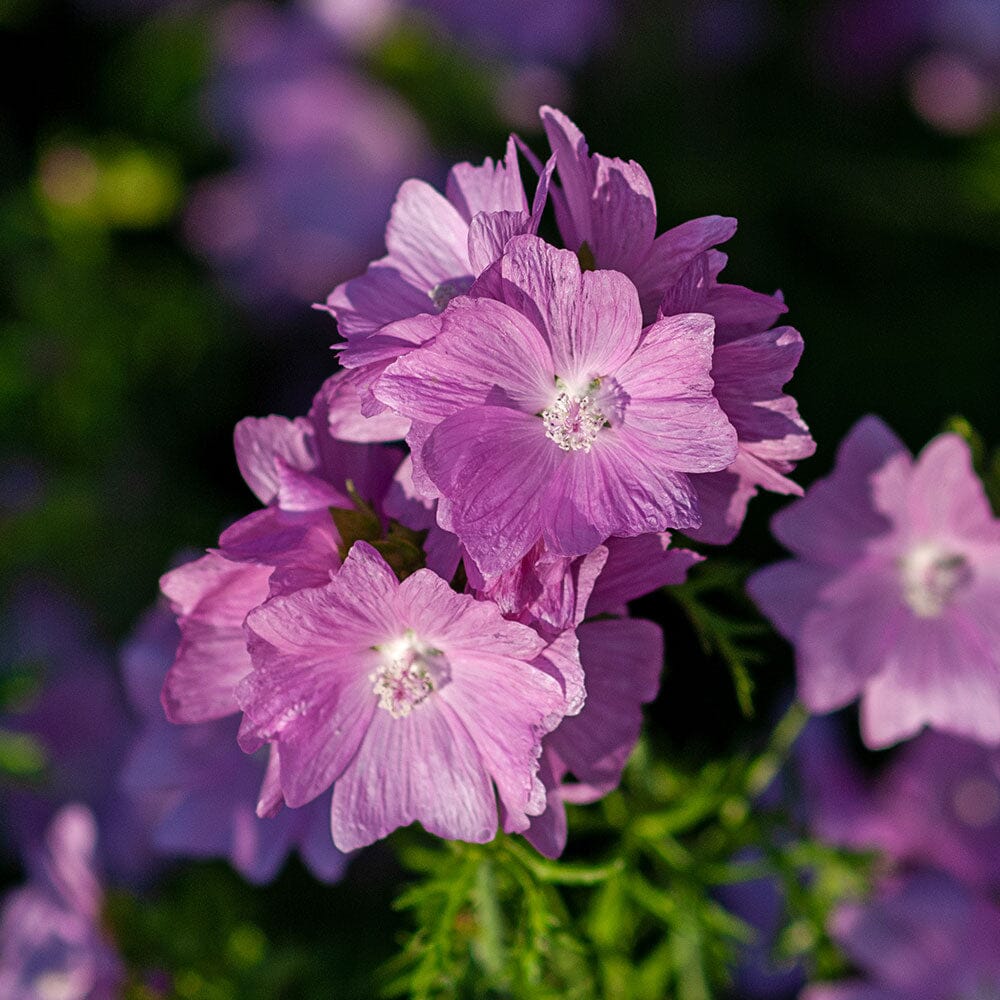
<point>931,578</point>
<point>409,672</point>
<point>440,295</point>
<point>573,421</point>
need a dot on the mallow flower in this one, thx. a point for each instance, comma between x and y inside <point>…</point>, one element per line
<point>938,803</point>
<point>924,937</point>
<point>412,700</point>
<point>607,213</point>
<point>893,594</point>
<point>554,415</point>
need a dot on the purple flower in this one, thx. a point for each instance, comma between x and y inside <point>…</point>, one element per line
<point>938,804</point>
<point>52,944</point>
<point>199,789</point>
<point>321,151</point>
<point>438,245</point>
<point>923,938</point>
<point>556,416</point>
<point>410,699</point>
<point>894,591</point>
<point>606,208</point>
<point>78,718</point>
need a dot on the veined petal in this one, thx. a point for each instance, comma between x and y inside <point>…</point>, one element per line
<point>424,767</point>
<point>493,464</point>
<point>486,354</point>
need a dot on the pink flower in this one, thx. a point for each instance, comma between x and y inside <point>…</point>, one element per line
<point>554,415</point>
<point>894,591</point>
<point>608,205</point>
<point>438,245</point>
<point>410,699</point>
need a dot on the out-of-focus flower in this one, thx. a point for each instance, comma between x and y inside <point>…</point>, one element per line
<point>52,945</point>
<point>938,804</point>
<point>73,711</point>
<point>320,148</point>
<point>952,93</point>
<point>947,50</point>
<point>924,937</point>
<point>894,594</point>
<point>196,786</point>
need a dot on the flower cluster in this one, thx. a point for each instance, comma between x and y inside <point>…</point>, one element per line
<point>441,634</point>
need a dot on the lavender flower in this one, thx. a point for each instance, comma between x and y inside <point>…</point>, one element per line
<point>893,592</point>
<point>410,699</point>
<point>922,938</point>
<point>556,416</point>
<point>52,944</point>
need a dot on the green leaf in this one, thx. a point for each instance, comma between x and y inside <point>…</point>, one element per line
<point>357,524</point>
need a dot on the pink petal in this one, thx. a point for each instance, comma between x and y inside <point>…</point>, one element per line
<point>834,522</point>
<point>486,353</point>
<point>492,463</point>
<point>591,319</point>
<point>487,188</point>
<point>260,441</point>
<point>423,767</point>
<point>211,597</point>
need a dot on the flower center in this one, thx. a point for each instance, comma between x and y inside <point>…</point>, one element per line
<point>574,419</point>
<point>408,673</point>
<point>932,577</point>
<point>442,294</point>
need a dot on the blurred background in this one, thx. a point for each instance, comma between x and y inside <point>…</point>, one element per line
<point>180,181</point>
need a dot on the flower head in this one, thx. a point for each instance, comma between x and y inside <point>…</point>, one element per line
<point>894,591</point>
<point>413,701</point>
<point>554,415</point>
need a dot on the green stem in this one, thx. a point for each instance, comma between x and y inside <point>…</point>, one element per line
<point>762,771</point>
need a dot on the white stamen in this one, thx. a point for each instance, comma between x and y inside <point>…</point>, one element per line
<point>573,419</point>
<point>409,672</point>
<point>931,577</point>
